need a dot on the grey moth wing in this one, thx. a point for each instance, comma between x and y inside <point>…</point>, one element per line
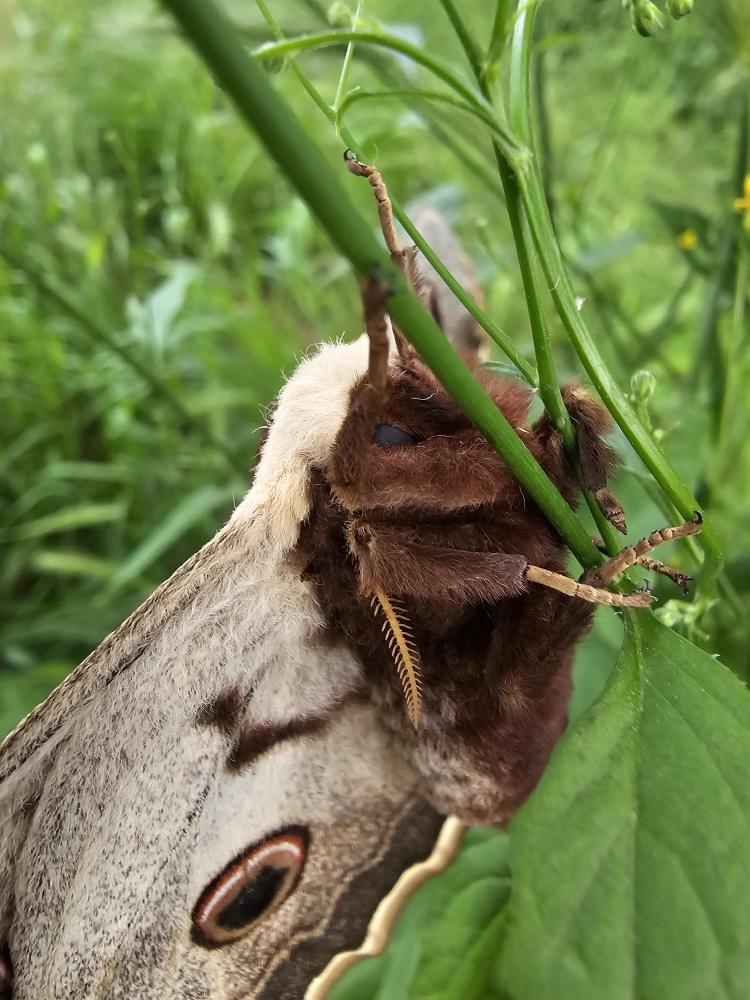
<point>210,805</point>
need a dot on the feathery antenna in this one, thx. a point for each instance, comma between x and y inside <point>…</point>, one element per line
<point>401,647</point>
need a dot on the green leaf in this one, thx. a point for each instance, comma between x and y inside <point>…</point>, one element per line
<point>72,563</point>
<point>631,864</point>
<point>83,515</point>
<point>446,940</point>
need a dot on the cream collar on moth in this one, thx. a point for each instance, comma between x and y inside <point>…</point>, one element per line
<point>308,415</point>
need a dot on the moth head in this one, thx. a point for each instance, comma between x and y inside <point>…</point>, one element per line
<point>417,451</point>
<point>419,491</point>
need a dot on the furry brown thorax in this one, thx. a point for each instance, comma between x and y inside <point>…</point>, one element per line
<point>414,503</point>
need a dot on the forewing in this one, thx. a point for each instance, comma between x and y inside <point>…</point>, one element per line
<point>131,791</point>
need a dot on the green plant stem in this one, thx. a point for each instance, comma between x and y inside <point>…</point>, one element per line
<point>421,95</point>
<point>498,38</point>
<point>532,190</point>
<point>549,387</point>
<point>501,338</point>
<point>311,89</point>
<point>709,360</point>
<point>527,177</point>
<point>468,43</point>
<point>302,43</point>
<point>544,144</point>
<point>733,358</point>
<point>245,82</point>
<point>520,115</point>
<point>343,75</point>
<point>614,399</point>
<point>390,72</point>
<point>503,341</point>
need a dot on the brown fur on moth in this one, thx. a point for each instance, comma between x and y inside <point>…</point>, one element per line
<point>437,521</point>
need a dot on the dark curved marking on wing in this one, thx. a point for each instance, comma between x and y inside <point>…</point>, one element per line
<point>224,711</point>
<point>411,841</point>
<point>256,740</point>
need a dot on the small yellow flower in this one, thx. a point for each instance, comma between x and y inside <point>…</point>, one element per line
<point>688,240</point>
<point>743,204</point>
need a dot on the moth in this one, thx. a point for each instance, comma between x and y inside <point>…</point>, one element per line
<point>217,800</point>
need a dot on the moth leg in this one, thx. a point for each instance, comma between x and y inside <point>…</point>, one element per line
<point>374,294</point>
<point>635,553</point>
<point>683,580</point>
<point>585,591</point>
<point>404,258</point>
<point>379,189</point>
<point>351,447</point>
<point>611,507</point>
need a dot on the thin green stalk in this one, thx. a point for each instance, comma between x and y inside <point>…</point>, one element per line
<point>312,91</point>
<point>614,399</point>
<point>543,129</point>
<point>520,115</point>
<point>390,72</point>
<point>522,177</point>
<point>291,46</point>
<point>344,74</point>
<point>101,335</point>
<point>499,336</point>
<point>561,289</point>
<point>421,95</point>
<point>245,82</point>
<point>468,43</point>
<point>498,38</point>
<point>709,361</point>
<point>549,389</point>
<point>520,69</point>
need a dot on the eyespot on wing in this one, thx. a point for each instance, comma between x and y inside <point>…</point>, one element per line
<point>251,886</point>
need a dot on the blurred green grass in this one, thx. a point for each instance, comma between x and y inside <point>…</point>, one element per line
<point>129,188</point>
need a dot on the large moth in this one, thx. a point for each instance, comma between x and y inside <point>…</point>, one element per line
<point>215,801</point>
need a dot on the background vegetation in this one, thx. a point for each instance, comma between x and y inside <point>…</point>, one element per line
<point>157,279</point>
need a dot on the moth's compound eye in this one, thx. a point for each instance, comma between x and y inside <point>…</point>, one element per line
<point>389,436</point>
<point>249,888</point>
